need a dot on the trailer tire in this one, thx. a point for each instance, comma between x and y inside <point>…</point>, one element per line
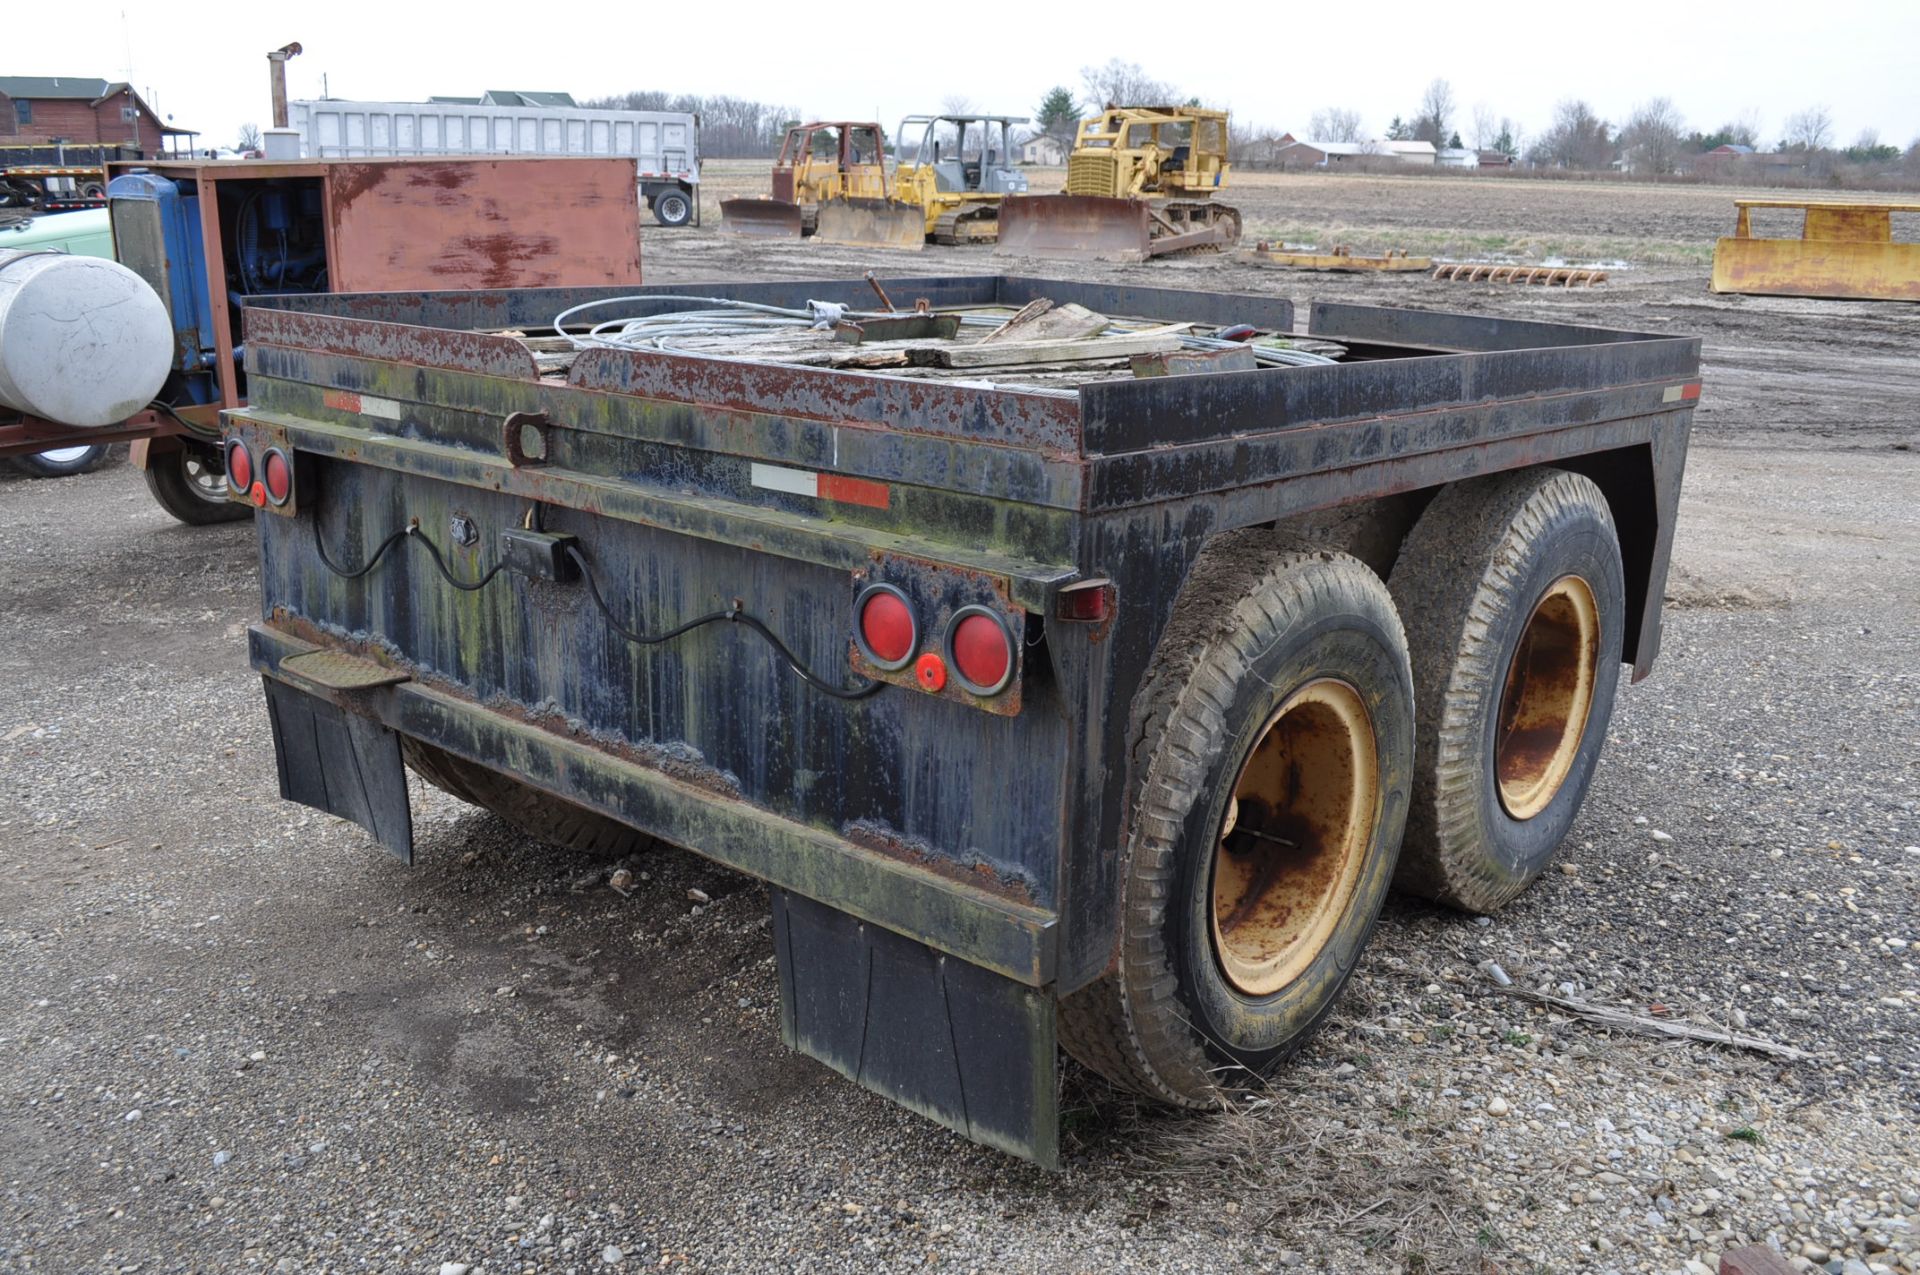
<point>539,815</point>
<point>63,462</point>
<point>190,483</point>
<point>1514,599</point>
<point>672,208</point>
<point>1230,951</point>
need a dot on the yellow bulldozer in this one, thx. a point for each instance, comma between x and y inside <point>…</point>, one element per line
<point>1140,184</point>
<point>962,168</point>
<point>829,180</point>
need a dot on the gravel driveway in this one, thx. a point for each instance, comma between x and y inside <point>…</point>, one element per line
<point>236,1037</point>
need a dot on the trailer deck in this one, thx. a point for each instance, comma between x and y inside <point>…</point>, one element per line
<point>546,572</point>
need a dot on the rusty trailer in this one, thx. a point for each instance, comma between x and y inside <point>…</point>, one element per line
<point>1076,717</point>
<point>1843,250</point>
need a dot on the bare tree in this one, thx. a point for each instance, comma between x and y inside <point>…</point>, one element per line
<point>956,104</point>
<point>1485,127</point>
<point>1125,84</point>
<point>1434,120</point>
<point>1578,139</point>
<point>1869,140</point>
<point>1809,130</point>
<point>249,139</point>
<point>1336,124</point>
<point>1653,138</point>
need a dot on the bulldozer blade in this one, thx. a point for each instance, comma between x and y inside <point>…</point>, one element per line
<point>872,223</point>
<point>1075,227</point>
<point>760,218</point>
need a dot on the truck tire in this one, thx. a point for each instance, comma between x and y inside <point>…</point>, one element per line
<point>1514,600</point>
<point>672,208</point>
<point>539,815</point>
<point>1274,747</point>
<point>191,484</point>
<point>63,462</point>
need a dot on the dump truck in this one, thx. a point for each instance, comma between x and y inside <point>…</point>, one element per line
<point>1141,182</point>
<point>664,145</point>
<point>1097,715</point>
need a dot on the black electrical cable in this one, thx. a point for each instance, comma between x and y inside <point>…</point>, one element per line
<point>410,531</point>
<point>199,431</point>
<point>733,615</point>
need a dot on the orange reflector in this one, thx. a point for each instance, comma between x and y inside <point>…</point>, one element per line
<point>259,495</point>
<point>931,672</point>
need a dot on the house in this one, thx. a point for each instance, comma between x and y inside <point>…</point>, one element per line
<point>1408,152</point>
<point>1313,154</point>
<point>1457,157</point>
<point>66,108</point>
<point>1043,150</point>
<point>1495,159</point>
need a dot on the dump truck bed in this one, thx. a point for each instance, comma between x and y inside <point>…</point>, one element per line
<point>627,583</point>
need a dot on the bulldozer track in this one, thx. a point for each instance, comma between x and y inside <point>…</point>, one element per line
<point>960,226</point>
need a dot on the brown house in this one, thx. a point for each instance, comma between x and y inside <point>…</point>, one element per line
<point>44,108</point>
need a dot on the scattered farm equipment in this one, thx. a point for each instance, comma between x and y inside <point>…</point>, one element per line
<point>1843,251</point>
<point>1140,184</point>
<point>1544,276</point>
<point>830,180</point>
<point>1341,258</point>
<point>961,171</point>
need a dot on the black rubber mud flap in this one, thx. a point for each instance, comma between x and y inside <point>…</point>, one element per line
<point>959,1044</point>
<point>341,763</point>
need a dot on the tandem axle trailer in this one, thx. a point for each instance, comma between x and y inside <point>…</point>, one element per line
<point>1094,711</point>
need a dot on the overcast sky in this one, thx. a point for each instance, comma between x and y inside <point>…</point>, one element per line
<point>1273,65</point>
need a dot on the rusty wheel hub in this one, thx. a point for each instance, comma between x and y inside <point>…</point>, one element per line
<point>1548,694</point>
<point>1294,838</point>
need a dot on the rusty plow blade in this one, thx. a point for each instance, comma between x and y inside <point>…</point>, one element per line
<point>760,218</point>
<point>1075,228</point>
<point>872,223</point>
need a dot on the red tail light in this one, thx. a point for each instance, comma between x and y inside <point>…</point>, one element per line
<point>239,467</point>
<point>885,627</point>
<point>276,472</point>
<point>980,650</point>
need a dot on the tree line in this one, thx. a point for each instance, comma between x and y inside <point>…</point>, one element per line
<point>730,127</point>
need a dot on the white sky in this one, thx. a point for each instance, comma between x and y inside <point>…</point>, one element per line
<point>1269,64</point>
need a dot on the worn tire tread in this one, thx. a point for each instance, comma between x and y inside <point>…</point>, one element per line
<point>1129,1025</point>
<point>1450,604</point>
<point>538,814</point>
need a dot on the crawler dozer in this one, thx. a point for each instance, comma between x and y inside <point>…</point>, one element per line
<point>1140,184</point>
<point>961,171</point>
<point>830,180</point>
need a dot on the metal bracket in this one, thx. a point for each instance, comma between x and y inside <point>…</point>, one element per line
<point>525,436</point>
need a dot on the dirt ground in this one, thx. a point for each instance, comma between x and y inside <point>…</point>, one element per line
<point>235,1036</point>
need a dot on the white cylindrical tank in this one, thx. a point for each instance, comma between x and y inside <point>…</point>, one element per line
<point>83,341</point>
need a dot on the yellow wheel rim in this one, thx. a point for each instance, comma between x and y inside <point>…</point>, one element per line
<point>1548,695</point>
<point>1295,837</point>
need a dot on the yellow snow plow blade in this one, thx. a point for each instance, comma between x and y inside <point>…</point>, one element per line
<point>872,223</point>
<point>760,218</point>
<point>1844,250</point>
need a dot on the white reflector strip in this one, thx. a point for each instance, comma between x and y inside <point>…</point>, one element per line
<point>801,482</point>
<point>386,407</point>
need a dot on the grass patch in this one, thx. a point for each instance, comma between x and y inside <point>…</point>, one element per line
<point>1747,1134</point>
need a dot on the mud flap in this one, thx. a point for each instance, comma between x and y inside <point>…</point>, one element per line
<point>959,1044</point>
<point>341,763</point>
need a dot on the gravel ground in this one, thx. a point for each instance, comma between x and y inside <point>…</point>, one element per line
<point>237,1037</point>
